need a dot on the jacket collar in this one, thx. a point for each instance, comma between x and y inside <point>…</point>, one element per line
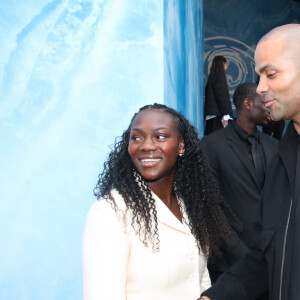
<point>165,216</point>
<point>268,148</point>
<point>288,152</point>
<point>236,146</point>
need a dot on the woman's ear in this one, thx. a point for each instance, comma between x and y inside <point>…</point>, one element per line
<point>181,147</point>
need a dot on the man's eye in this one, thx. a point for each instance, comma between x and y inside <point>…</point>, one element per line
<point>270,75</point>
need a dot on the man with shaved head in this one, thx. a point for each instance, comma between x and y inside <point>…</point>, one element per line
<point>274,261</point>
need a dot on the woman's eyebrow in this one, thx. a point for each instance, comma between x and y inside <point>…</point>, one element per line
<point>153,130</point>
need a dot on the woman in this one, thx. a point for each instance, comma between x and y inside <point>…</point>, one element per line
<point>156,219</point>
<point>218,108</point>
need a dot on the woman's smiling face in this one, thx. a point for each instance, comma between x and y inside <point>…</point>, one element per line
<point>154,144</point>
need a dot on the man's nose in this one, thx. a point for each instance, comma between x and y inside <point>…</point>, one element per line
<point>262,86</point>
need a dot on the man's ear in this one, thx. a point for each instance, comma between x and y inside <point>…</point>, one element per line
<point>248,104</point>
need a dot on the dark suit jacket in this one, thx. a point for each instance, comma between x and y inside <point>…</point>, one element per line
<point>271,257</point>
<point>217,100</point>
<point>235,174</point>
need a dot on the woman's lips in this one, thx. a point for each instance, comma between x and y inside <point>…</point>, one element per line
<point>149,162</point>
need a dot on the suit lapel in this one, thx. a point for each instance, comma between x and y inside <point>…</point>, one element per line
<point>268,148</point>
<point>165,216</point>
<point>288,152</point>
<point>237,147</point>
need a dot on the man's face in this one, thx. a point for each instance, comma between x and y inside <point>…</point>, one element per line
<point>279,79</point>
<point>259,113</point>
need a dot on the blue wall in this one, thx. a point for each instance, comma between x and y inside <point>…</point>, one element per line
<point>72,73</point>
<point>183,61</point>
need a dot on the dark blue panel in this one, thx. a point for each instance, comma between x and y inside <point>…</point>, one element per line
<point>232,28</point>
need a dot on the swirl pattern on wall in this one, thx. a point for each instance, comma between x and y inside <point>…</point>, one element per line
<point>239,56</point>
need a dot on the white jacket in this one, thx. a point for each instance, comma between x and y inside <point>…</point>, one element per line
<point>117,265</point>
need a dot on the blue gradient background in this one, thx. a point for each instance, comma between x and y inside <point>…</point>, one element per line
<point>72,73</point>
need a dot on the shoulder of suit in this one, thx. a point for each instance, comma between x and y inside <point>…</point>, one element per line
<point>106,203</point>
<point>214,139</point>
<point>269,138</point>
<point>103,211</point>
<point>216,134</point>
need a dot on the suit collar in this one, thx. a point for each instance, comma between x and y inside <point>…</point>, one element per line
<point>242,133</point>
<point>165,216</point>
<point>268,147</point>
<point>288,151</point>
<point>235,143</point>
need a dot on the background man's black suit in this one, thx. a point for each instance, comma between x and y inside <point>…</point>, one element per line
<point>235,174</point>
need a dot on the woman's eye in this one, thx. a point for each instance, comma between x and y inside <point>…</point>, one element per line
<point>135,138</point>
<point>161,137</point>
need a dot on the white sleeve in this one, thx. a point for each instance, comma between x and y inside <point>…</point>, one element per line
<point>205,281</point>
<point>226,118</point>
<point>105,254</point>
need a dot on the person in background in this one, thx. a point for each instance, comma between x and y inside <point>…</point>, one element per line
<point>218,108</point>
<point>239,155</point>
<point>157,217</point>
<point>274,260</point>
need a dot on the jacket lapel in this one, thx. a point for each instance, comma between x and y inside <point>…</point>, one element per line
<point>165,216</point>
<point>288,152</point>
<point>236,146</point>
<point>268,148</point>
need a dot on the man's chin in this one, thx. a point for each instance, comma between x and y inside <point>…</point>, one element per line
<point>274,117</point>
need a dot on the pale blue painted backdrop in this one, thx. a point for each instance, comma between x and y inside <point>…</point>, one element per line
<point>72,73</point>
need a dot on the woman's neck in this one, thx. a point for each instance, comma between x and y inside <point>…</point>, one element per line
<point>165,192</point>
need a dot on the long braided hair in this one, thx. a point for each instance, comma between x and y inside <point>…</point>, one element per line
<point>193,183</point>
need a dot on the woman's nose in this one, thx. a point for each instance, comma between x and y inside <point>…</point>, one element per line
<point>148,145</point>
